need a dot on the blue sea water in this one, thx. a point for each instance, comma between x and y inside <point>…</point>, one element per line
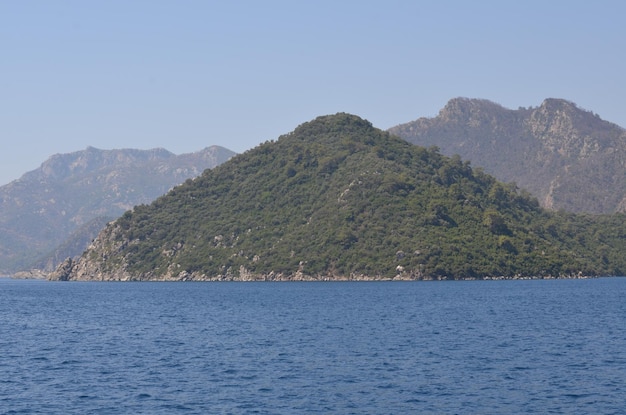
<point>481,347</point>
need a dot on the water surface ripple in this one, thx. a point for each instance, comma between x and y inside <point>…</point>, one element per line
<point>488,347</point>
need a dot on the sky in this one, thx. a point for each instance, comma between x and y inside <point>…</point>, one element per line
<point>185,74</point>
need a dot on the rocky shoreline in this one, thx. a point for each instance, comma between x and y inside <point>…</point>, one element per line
<point>72,271</point>
<point>33,274</point>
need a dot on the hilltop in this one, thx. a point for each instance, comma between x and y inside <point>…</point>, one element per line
<point>71,196</point>
<point>340,199</point>
<point>567,157</point>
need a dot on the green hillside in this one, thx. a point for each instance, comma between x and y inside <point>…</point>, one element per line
<point>338,198</point>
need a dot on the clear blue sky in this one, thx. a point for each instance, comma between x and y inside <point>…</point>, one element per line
<point>184,74</point>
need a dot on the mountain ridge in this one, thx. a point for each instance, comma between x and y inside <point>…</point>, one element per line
<point>46,205</point>
<point>568,157</point>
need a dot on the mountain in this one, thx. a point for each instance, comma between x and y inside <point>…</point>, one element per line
<point>567,157</point>
<point>340,199</point>
<point>45,206</point>
<point>73,245</point>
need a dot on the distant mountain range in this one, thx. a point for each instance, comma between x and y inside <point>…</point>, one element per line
<point>54,211</point>
<point>338,199</point>
<point>567,157</point>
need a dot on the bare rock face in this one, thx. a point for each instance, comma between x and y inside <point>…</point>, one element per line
<point>95,267</point>
<point>567,157</point>
<point>62,273</point>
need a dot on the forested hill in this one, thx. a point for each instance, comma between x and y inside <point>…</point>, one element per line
<point>340,199</point>
<point>567,157</point>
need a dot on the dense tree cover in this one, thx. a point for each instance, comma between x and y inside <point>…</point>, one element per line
<point>338,197</point>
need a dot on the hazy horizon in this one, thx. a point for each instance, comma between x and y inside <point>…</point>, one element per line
<point>185,76</point>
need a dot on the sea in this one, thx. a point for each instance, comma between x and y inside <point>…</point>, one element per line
<point>458,347</point>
